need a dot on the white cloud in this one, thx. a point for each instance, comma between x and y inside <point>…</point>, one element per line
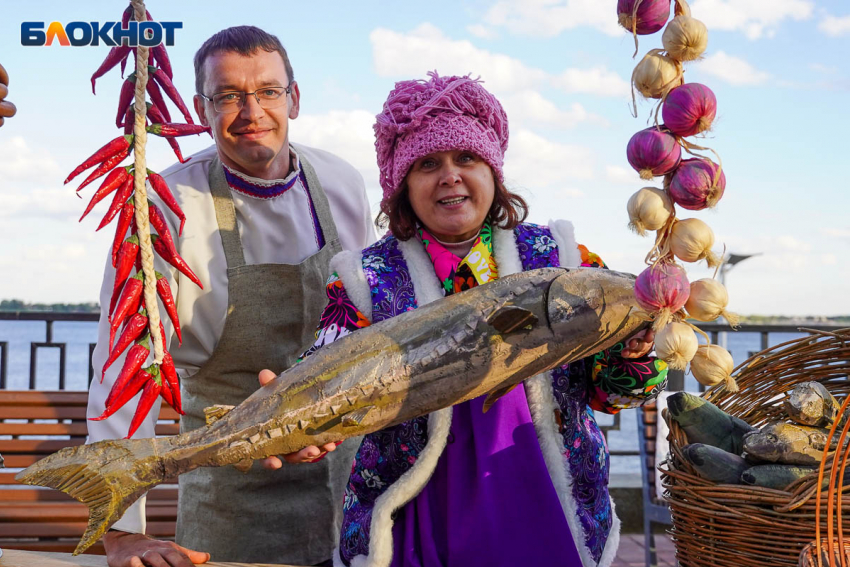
<point>530,107</point>
<point>624,176</point>
<point>548,18</point>
<point>482,31</point>
<point>21,200</point>
<point>821,68</point>
<point>837,232</point>
<point>731,69</point>
<point>754,18</point>
<point>595,80</point>
<point>347,134</point>
<point>835,26</point>
<point>534,161</point>
<point>426,48</point>
<point>19,161</point>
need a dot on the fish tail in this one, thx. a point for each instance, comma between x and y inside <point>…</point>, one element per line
<point>107,476</point>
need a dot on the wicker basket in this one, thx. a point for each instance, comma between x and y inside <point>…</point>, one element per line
<point>717,525</point>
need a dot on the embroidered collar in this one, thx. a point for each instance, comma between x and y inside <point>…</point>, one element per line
<point>456,274</point>
<point>262,188</point>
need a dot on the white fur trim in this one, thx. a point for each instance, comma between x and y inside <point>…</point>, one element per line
<point>348,265</point>
<point>426,286</point>
<point>613,542</point>
<point>564,234</point>
<point>403,491</point>
<point>542,403</point>
<point>506,252</point>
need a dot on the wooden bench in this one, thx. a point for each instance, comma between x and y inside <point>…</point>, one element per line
<point>34,424</point>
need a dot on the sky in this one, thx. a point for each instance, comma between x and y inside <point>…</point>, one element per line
<point>780,70</point>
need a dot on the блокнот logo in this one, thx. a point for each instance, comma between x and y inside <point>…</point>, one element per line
<point>77,34</point>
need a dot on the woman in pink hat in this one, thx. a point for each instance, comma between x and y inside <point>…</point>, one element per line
<point>527,482</point>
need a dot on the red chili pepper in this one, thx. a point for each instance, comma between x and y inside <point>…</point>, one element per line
<point>156,98</point>
<point>161,187</point>
<point>128,211</point>
<point>125,19</point>
<point>113,181</point>
<point>115,56</point>
<point>171,130</point>
<point>124,391</point>
<point>167,394</point>
<point>124,265</point>
<point>158,222</point>
<point>176,148</point>
<point>149,395</point>
<point>164,292</point>
<point>136,356</point>
<point>128,90</point>
<point>105,167</point>
<point>134,328</point>
<point>172,381</point>
<point>112,148</point>
<point>160,55</point>
<point>128,304</point>
<point>129,120</point>
<point>175,260</point>
<point>118,201</point>
<point>160,77</point>
<point>155,114</point>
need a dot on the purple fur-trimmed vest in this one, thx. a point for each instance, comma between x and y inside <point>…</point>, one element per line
<point>391,465</point>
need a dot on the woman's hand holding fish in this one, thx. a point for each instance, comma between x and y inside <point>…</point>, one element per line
<point>124,549</point>
<point>308,454</point>
<point>639,345</point>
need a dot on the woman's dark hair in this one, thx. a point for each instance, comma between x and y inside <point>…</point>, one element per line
<point>244,40</point>
<point>507,211</point>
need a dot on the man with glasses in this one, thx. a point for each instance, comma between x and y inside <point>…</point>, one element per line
<point>264,218</point>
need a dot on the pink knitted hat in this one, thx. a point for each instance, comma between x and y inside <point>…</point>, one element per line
<point>440,114</point>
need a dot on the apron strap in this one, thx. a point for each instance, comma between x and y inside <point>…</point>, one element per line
<point>320,199</point>
<point>225,214</point>
<point>225,211</point>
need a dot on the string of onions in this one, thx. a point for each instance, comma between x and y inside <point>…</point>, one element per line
<point>687,109</point>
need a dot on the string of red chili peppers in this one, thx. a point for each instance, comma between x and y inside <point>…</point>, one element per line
<point>127,310</point>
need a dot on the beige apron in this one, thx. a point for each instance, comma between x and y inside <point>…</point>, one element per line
<point>291,515</point>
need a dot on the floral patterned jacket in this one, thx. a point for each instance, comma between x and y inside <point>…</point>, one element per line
<point>392,465</point>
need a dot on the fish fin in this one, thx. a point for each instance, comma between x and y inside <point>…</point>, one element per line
<point>495,395</point>
<point>101,476</point>
<point>216,412</point>
<point>243,466</point>
<point>509,318</point>
<point>355,417</point>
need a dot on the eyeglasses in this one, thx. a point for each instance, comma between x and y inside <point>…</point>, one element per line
<point>228,102</point>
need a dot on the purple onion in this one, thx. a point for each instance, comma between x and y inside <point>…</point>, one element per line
<point>651,15</point>
<point>662,289</point>
<point>653,152</point>
<point>689,109</point>
<point>693,184</point>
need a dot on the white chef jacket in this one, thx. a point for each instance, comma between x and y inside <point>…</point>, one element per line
<point>276,230</point>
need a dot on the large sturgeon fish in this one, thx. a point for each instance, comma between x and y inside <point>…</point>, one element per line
<point>482,341</point>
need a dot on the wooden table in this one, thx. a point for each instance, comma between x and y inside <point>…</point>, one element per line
<point>17,558</point>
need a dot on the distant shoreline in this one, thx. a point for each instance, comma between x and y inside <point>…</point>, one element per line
<point>18,306</point>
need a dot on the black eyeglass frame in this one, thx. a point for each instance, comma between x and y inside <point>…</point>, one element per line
<point>287,90</point>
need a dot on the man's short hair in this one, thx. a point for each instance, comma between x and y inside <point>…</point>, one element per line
<point>244,40</point>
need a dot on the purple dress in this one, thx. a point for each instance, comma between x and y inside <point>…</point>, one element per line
<point>490,487</point>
